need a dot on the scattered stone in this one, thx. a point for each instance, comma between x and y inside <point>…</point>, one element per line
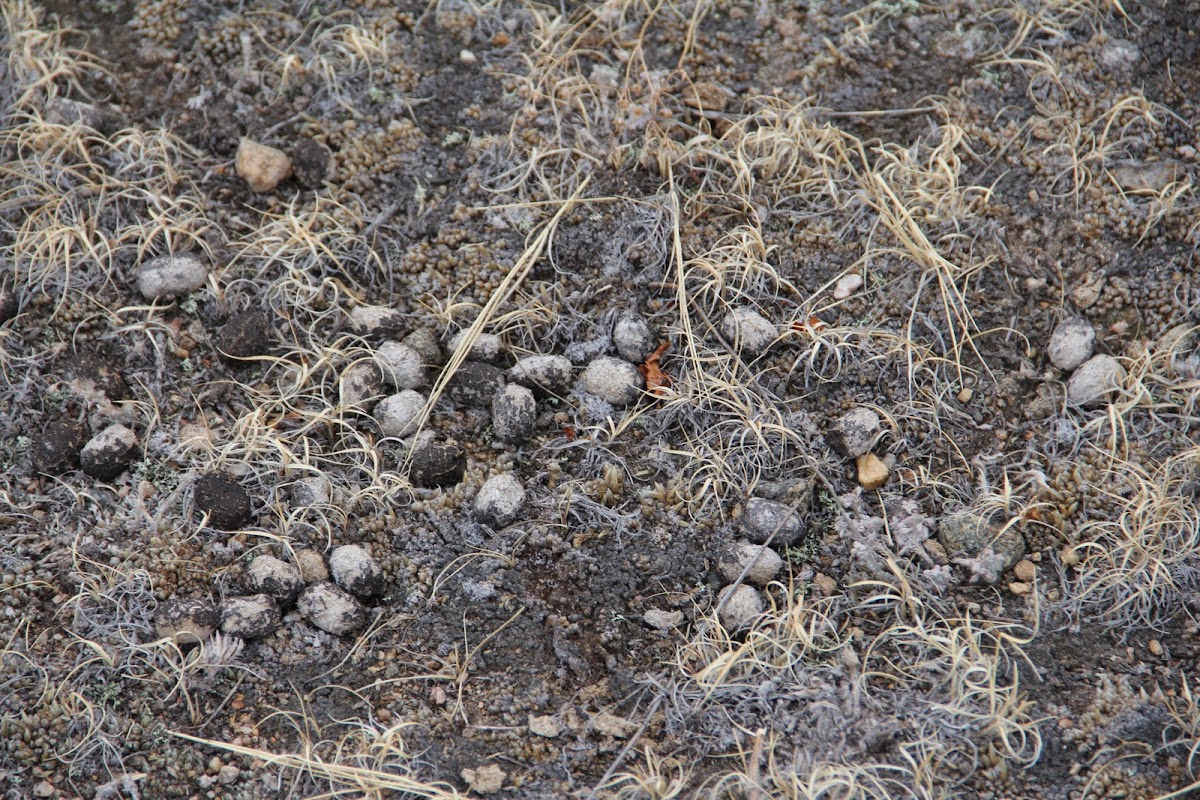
<point>361,386</point>
<point>223,499</point>
<point>1119,55</point>
<point>402,366</point>
<point>272,576</point>
<point>1018,588</point>
<point>437,465</point>
<point>975,541</point>
<point>1146,177</point>
<point>606,723</point>
<point>89,371</point>
<point>1094,380</point>
<point>546,726</point>
<point>249,617</point>
<point>171,276</point>
<point>310,163</point>
<point>872,472</point>
<point>107,454</point>
<point>633,338</point>
<point>43,789</point>
<point>1087,289</point>
<point>847,285</point>
<point>765,563</point>
<point>743,606</point>
<point>1025,570</point>
<point>662,620</point>
<point>548,374</point>
<point>245,335</point>
<point>825,584</point>
<point>486,347</point>
<point>354,569</point>
<point>260,166</point>
<point>57,447</point>
<point>613,380</point>
<point>762,517</point>
<point>485,780</point>
<point>376,321</point>
<point>855,433</point>
<point>794,491</point>
<point>312,491</point>
<point>475,383</point>
<point>425,342</point>
<point>1071,343</point>
<point>965,394</point>
<point>9,305</point>
<point>513,413</point>
<point>312,566</point>
<point>500,500</point>
<point>332,609</point>
<point>397,415</point>
<point>186,620</point>
<point>64,111</point>
<point>228,774</point>
<point>748,331</point>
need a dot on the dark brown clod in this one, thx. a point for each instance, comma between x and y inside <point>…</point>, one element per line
<point>57,449</point>
<point>9,304</point>
<point>437,465</point>
<point>90,369</point>
<point>245,335</point>
<point>224,501</point>
<point>310,163</point>
<point>475,384</point>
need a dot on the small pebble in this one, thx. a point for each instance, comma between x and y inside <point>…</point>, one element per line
<point>500,500</point>
<point>271,576</point>
<point>244,336</point>
<point>435,465</point>
<point>847,285</point>
<point>354,569</point>
<point>186,620</point>
<point>1071,343</point>
<point>223,499</point>
<point>332,609</point>
<point>855,433</point>
<point>764,563</point>
<point>475,383</point>
<point>872,472</point>
<point>312,566</point>
<point>1020,589</point>
<point>397,415</point>
<point>249,617</point>
<point>401,365</point>
<point>762,517</point>
<point>1094,381</point>
<point>310,163</point>
<point>361,386</point>
<point>633,338</point>
<point>260,166</point>
<point>613,380</point>
<point>312,491</point>
<point>662,620</point>
<point>547,374</point>
<point>377,321</point>
<point>485,780</point>
<point>546,726</point>
<point>171,276</point>
<point>744,605</point>
<point>107,454</point>
<point>1025,571</point>
<point>748,331</point>
<point>513,413</point>
<point>56,447</point>
<point>425,342</point>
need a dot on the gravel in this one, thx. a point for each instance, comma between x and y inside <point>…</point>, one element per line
<point>186,620</point>
<point>500,500</point>
<point>272,576</point>
<point>170,276</point>
<point>633,338</point>
<point>547,374</point>
<point>748,331</point>
<point>331,609</point>
<point>513,413</point>
<point>855,433</point>
<point>613,380</point>
<point>1094,381</point>
<point>402,365</point>
<point>762,517</point>
<point>765,563</point>
<point>107,454</point>
<point>354,569</point>
<point>397,415</point>
<point>223,499</point>
<point>743,606</point>
<point>260,166</point>
<point>1071,343</point>
<point>249,617</point>
<point>312,566</point>
<point>310,163</point>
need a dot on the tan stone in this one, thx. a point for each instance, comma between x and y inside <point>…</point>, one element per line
<point>872,473</point>
<point>261,167</point>
<point>485,780</point>
<point>1025,570</point>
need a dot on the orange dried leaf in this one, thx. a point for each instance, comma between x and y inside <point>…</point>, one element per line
<point>655,378</point>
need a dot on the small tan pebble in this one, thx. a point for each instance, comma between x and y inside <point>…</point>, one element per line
<point>1065,723</point>
<point>384,715</point>
<point>261,167</point>
<point>966,394</point>
<point>1018,588</point>
<point>467,57</point>
<point>1155,647</point>
<point>610,724</point>
<point>546,726</point>
<point>825,584</point>
<point>228,774</point>
<point>312,566</point>
<point>847,285</point>
<point>1025,570</point>
<point>936,551</point>
<point>1069,557</point>
<point>485,780</point>
<point>662,620</point>
<point>872,472</point>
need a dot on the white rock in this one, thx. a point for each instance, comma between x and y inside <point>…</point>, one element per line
<point>331,609</point>
<point>487,346</point>
<point>361,385</point>
<point>546,726</point>
<point>613,380</point>
<point>485,780</point>
<point>662,620</point>
<point>107,454</point>
<point>376,320</point>
<point>312,566</point>
<point>261,167</point>
<point>500,499</point>
<point>1071,343</point>
<point>847,285</point>
<point>856,432</point>
<point>402,366</point>
<point>550,374</point>
<point>1094,380</point>
<point>742,607</point>
<point>633,338</point>
<point>249,617</point>
<point>748,331</point>
<point>425,342</point>
<point>354,569</point>
<point>171,276</point>
<point>279,579</point>
<point>513,413</point>
<point>765,563</point>
<point>762,517</point>
<point>312,491</point>
<point>397,415</point>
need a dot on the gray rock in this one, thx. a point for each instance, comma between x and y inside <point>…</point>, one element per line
<point>312,491</point>
<point>171,276</point>
<point>376,321</point>
<point>486,347</point>
<point>397,415</point>
<point>354,569</point>
<point>743,606</point>
<point>500,500</point>
<point>633,338</point>
<point>513,413</point>
<point>662,620</point>
<point>1094,381</point>
<point>249,617</point>
<point>613,380</point>
<point>187,620</point>
<point>548,374</point>
<point>425,342</point>
<point>978,542</point>
<point>1071,343</point>
<point>855,433</point>
<point>331,609</point>
<point>765,563</point>
<point>748,331</point>
<point>475,383</point>
<point>1146,177</point>
<point>437,464</point>
<point>107,454</point>
<point>401,365</point>
<point>271,576</point>
<point>361,386</point>
<point>762,517</point>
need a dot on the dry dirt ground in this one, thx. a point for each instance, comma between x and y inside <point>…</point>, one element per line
<point>779,217</point>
